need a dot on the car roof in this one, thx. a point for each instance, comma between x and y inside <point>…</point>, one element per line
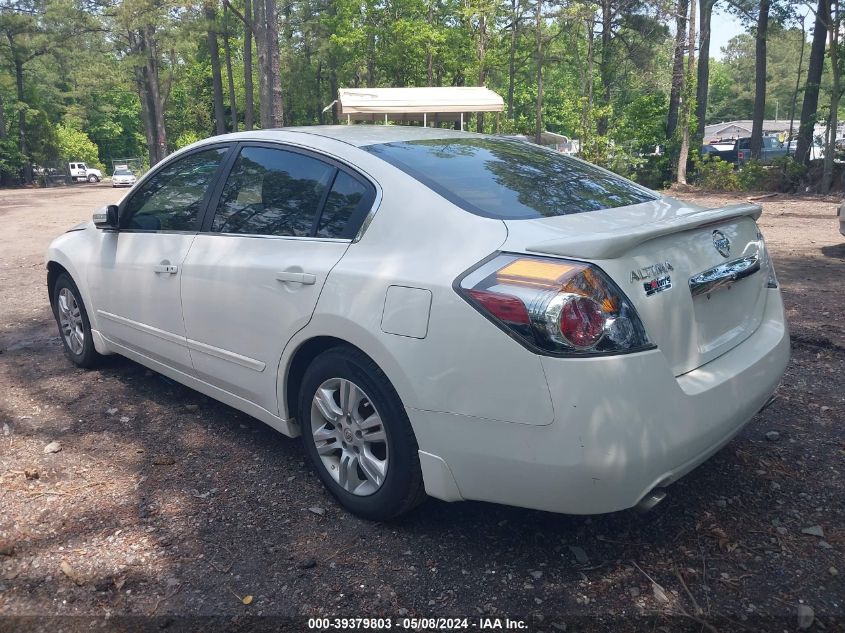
<point>357,135</point>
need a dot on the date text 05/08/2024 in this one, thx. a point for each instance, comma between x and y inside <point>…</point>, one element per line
<point>416,624</point>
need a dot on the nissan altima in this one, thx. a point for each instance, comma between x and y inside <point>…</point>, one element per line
<point>436,312</point>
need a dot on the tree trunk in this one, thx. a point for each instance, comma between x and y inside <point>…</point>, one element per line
<point>482,63</point>
<point>264,96</point>
<point>686,105</point>
<point>5,176</point>
<point>3,131</point>
<point>333,87</point>
<point>371,50</point>
<point>227,51</point>
<point>154,93</point>
<point>835,94</point>
<point>27,166</point>
<point>141,85</point>
<point>142,45</point>
<point>318,100</point>
<point>275,70</point>
<point>810,104</point>
<point>216,77</point>
<point>760,80</point>
<point>797,81</point>
<point>429,62</point>
<point>604,64</point>
<point>702,84</point>
<point>17,62</point>
<point>586,112</point>
<point>538,110</point>
<point>512,57</point>
<point>249,106</point>
<point>269,77</point>
<point>677,67</point>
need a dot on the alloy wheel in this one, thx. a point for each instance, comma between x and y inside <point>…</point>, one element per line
<point>349,436</point>
<point>70,320</point>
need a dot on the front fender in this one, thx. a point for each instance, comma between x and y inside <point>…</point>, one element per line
<point>80,243</point>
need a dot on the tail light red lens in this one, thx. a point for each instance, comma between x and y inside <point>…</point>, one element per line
<point>555,306</point>
<point>508,309</point>
<point>582,321</point>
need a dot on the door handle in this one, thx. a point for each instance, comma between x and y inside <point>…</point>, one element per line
<point>306,279</point>
<point>169,269</point>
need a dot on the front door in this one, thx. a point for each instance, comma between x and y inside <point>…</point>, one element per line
<point>253,276</point>
<point>135,281</point>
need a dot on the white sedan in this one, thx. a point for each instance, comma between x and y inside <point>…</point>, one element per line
<point>436,312</point>
<point>840,215</point>
<point>122,178</point>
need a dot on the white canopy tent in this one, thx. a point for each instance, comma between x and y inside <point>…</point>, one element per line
<point>428,105</point>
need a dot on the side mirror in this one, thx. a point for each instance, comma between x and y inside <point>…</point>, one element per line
<point>106,217</point>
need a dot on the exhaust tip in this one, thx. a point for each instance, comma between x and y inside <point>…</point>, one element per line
<point>651,500</point>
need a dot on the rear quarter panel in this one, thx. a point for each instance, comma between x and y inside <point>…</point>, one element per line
<point>464,364</point>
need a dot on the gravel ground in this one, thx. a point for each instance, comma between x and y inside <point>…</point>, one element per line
<point>164,503</point>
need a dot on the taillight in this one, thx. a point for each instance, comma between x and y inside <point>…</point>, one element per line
<point>555,306</point>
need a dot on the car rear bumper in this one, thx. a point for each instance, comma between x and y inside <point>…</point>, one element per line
<point>624,425</point>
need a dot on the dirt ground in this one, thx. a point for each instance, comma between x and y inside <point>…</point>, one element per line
<point>164,503</point>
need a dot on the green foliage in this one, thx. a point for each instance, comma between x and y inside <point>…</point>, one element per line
<point>784,174</point>
<point>654,172</point>
<point>11,160</point>
<point>81,71</point>
<point>714,174</point>
<point>790,174</point>
<point>754,176</point>
<point>643,121</point>
<point>185,139</point>
<point>74,145</point>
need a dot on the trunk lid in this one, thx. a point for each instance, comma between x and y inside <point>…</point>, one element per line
<point>652,251</point>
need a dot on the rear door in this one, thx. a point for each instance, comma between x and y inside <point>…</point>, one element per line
<point>278,224</point>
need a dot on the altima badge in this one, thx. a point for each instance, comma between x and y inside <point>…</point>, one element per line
<point>722,243</point>
<point>647,272</point>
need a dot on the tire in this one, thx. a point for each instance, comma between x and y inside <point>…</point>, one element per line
<point>68,307</point>
<point>401,487</point>
<point>92,178</point>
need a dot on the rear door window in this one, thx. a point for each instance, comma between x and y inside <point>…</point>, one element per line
<point>272,192</point>
<point>510,179</point>
<point>343,206</point>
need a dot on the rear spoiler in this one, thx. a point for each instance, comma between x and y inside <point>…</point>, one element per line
<point>613,245</point>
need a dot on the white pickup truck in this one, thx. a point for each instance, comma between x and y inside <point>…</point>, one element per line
<point>79,172</point>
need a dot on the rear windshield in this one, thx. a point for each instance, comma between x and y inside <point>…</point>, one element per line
<point>509,179</point>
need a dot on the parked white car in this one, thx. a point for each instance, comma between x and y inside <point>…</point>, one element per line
<point>122,178</point>
<point>840,214</point>
<point>80,172</point>
<point>436,312</point>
